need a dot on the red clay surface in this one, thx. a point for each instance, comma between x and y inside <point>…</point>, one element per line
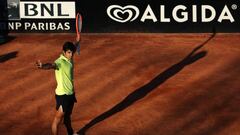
<point>126,84</point>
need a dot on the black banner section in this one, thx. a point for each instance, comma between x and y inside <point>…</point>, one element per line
<point>3,20</point>
<point>160,16</point>
<point>113,16</point>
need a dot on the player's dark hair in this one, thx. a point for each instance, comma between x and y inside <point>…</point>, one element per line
<point>69,46</point>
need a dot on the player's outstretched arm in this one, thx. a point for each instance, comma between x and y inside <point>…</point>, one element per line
<point>45,66</point>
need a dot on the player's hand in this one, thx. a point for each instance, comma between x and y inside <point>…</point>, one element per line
<point>39,64</point>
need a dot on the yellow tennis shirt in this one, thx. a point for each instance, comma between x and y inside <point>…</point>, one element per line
<point>64,76</point>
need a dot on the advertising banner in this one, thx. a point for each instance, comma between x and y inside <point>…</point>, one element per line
<point>41,16</point>
<point>161,15</point>
<point>147,16</point>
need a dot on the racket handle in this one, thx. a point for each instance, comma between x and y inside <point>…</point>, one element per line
<point>78,47</point>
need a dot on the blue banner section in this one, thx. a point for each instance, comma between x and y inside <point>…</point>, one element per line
<point>147,16</point>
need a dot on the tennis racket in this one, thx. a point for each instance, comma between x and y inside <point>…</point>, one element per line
<point>78,30</point>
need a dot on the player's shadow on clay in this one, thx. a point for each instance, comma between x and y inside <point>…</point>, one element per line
<point>8,56</point>
<point>147,88</point>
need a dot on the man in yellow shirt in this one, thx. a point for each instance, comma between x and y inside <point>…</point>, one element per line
<point>65,96</point>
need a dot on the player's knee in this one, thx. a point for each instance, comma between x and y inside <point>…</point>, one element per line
<point>59,115</point>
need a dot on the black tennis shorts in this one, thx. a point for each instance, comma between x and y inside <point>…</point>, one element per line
<point>66,101</point>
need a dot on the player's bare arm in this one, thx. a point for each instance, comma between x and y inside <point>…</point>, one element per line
<point>46,66</point>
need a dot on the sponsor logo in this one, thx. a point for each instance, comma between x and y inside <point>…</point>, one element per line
<point>114,11</point>
<point>179,14</point>
<point>40,15</point>
<point>39,26</point>
<point>47,10</point>
<point>13,9</point>
<point>40,10</point>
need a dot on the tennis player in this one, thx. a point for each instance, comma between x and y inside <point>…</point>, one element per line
<point>65,94</point>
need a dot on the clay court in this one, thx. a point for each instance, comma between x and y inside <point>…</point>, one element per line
<point>126,84</point>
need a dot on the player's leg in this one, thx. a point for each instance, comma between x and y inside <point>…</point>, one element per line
<point>67,119</point>
<point>57,120</point>
<point>68,125</point>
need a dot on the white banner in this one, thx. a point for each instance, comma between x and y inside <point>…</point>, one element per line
<point>47,10</point>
